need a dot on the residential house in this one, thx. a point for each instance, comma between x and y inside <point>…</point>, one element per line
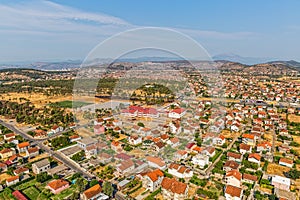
<point>3,167</point>
<point>209,151</point>
<point>175,127</point>
<point>105,158</point>
<point>12,180</point>
<point>152,180</point>
<point>22,147</point>
<point>74,138</point>
<point>255,158</point>
<point>93,193</point>
<point>173,189</point>
<point>56,129</point>
<point>135,140</point>
<point>180,155</point>
<point>32,152</point>
<point>201,160</point>
<point>180,171</point>
<point>177,113</point>
<point>248,178</point>
<point>286,162</point>
<point>234,156</point>
<point>125,167</point>
<point>156,162</point>
<point>174,142</point>
<point>85,142</point>
<point>220,140</point>
<point>91,151</point>
<point>230,165</point>
<point>41,166</point>
<point>245,148</point>
<point>7,152</point>
<point>21,170</point>
<point>9,136</point>
<point>249,139</point>
<point>234,178</point>
<point>233,193</point>
<point>56,186</point>
<point>280,182</point>
<point>264,146</point>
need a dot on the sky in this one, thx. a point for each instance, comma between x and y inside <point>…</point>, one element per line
<point>64,30</point>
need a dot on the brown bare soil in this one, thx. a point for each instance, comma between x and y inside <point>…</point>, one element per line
<point>276,169</point>
<point>294,118</point>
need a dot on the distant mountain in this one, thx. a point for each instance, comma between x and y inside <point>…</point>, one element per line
<point>290,63</point>
<point>64,65</point>
<point>240,59</point>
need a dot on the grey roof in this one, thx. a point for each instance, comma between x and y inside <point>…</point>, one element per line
<point>57,169</point>
<point>71,151</point>
<point>87,141</point>
<point>123,183</point>
<point>42,163</point>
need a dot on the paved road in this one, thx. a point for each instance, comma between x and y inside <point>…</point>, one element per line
<point>59,156</point>
<point>208,170</point>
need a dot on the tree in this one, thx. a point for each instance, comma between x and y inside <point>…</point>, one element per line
<point>80,184</point>
<point>140,124</point>
<point>108,188</point>
<point>93,182</point>
<point>42,177</point>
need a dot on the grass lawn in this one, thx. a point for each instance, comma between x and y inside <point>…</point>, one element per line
<point>69,104</point>
<point>25,185</point>
<point>6,194</point>
<point>31,192</point>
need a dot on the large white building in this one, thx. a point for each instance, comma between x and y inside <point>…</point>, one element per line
<point>177,113</point>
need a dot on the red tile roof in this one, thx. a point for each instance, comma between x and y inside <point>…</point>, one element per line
<point>93,191</point>
<point>18,195</point>
<point>156,160</point>
<point>13,178</point>
<point>23,144</point>
<point>255,155</point>
<point>285,160</point>
<point>233,191</point>
<point>56,184</point>
<point>249,136</point>
<point>234,155</point>
<point>234,173</point>
<point>173,185</point>
<point>249,177</point>
<point>155,174</point>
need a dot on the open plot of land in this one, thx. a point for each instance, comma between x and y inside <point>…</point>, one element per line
<point>276,169</point>
<point>39,100</point>
<point>228,134</point>
<point>38,157</point>
<point>294,118</point>
<point>84,132</point>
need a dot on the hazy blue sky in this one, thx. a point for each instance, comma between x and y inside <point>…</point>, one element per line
<point>61,30</point>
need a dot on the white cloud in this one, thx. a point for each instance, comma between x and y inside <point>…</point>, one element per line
<point>51,17</point>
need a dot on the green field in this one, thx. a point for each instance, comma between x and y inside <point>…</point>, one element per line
<point>31,192</point>
<point>6,194</point>
<point>69,104</point>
